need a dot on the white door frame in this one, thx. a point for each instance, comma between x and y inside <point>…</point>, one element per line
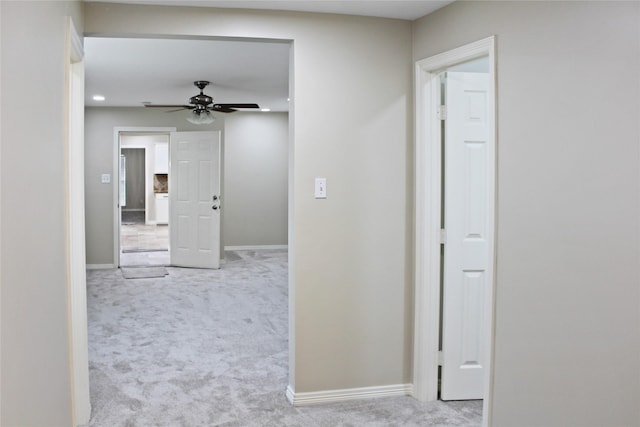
<point>76,259</point>
<point>428,194</point>
<point>116,175</point>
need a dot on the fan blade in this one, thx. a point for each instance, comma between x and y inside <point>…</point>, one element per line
<point>219,106</point>
<point>181,109</point>
<point>219,109</point>
<point>185,107</point>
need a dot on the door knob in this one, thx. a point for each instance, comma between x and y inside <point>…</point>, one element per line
<point>215,208</point>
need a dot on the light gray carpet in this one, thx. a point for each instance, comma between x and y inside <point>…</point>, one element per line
<point>209,348</point>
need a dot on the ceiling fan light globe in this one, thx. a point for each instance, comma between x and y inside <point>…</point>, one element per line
<point>200,117</point>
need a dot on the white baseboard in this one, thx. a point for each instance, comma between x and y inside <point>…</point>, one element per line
<point>255,247</point>
<point>290,395</point>
<point>100,266</point>
<point>331,396</point>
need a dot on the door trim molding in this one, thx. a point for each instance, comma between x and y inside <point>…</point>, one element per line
<point>76,250</point>
<point>427,216</point>
<point>115,176</point>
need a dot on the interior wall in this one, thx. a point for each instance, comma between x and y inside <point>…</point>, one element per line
<point>35,384</point>
<point>255,184</point>
<point>567,313</point>
<point>135,182</point>
<point>352,94</point>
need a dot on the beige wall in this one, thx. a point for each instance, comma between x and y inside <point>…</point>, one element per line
<point>352,91</point>
<point>35,386</point>
<point>567,350</point>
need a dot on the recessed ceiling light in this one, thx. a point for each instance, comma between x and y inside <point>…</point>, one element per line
<point>266,109</point>
<point>98,98</point>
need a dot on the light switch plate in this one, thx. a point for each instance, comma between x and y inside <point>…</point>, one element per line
<point>106,178</point>
<point>321,188</point>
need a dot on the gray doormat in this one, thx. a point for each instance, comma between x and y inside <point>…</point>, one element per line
<point>143,272</point>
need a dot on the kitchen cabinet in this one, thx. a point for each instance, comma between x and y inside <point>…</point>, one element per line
<point>162,208</point>
<point>162,158</point>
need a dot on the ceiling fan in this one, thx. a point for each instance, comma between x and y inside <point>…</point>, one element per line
<point>202,105</point>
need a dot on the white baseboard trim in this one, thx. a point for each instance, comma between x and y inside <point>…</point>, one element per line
<point>100,266</point>
<point>331,396</point>
<point>255,247</point>
<point>290,395</point>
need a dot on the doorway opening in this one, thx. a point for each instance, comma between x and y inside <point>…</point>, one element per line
<point>288,149</point>
<point>142,237</point>
<point>455,224</point>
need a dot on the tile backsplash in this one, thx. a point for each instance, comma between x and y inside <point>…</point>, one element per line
<point>161,183</point>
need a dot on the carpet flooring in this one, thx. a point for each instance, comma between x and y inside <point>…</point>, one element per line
<point>209,348</point>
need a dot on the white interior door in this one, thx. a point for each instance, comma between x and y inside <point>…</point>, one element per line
<point>468,221</point>
<point>194,199</point>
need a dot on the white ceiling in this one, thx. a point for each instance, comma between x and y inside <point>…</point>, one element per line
<point>129,72</point>
<point>399,9</point>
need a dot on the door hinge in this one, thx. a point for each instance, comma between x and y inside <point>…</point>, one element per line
<point>442,112</point>
<point>443,236</point>
<point>440,358</point>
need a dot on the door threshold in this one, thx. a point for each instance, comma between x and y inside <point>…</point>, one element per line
<point>130,251</point>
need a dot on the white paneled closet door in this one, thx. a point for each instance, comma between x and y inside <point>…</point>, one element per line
<point>468,223</point>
